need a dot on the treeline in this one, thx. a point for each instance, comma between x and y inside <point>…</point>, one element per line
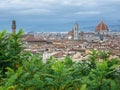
<point>21,70</point>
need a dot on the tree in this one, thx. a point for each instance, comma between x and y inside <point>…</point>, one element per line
<point>10,49</point>
<point>15,48</point>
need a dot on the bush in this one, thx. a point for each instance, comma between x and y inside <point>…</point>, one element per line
<point>33,74</point>
<point>10,50</point>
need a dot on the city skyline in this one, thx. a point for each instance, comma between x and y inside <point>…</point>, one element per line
<point>55,15</point>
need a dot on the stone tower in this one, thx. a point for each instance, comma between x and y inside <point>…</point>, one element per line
<point>76,32</point>
<point>13,26</point>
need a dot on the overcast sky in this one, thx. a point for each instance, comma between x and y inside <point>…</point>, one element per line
<point>57,15</point>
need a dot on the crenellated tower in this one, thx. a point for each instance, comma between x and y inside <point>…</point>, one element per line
<point>13,26</point>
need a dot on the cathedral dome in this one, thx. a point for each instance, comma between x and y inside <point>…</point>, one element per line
<point>101,27</point>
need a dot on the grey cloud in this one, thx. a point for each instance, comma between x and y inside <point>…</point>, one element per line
<point>62,11</point>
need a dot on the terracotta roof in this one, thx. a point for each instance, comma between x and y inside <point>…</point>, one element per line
<point>33,39</point>
<point>59,55</point>
<point>101,26</point>
<point>71,33</point>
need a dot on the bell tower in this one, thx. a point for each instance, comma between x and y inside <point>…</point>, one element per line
<point>76,32</point>
<point>13,26</point>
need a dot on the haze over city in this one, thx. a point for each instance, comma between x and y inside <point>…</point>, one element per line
<point>58,15</point>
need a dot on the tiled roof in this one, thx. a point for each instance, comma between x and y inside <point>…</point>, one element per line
<point>71,33</point>
<point>101,26</point>
<point>33,39</point>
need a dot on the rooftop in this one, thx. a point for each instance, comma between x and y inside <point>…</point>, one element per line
<point>101,26</point>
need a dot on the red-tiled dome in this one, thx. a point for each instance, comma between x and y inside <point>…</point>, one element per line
<point>101,26</point>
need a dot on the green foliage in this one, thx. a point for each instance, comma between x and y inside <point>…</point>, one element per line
<point>25,71</point>
<point>15,48</point>
<point>33,74</point>
<point>102,75</point>
<point>10,50</point>
<point>3,49</point>
<point>83,87</point>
